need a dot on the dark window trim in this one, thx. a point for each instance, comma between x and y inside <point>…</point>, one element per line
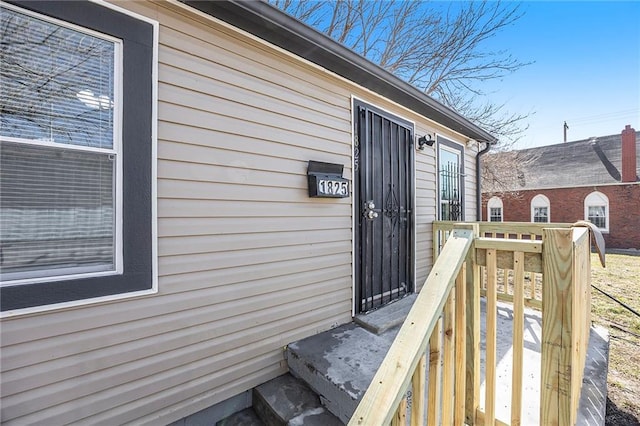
<point>137,150</point>
<point>442,141</point>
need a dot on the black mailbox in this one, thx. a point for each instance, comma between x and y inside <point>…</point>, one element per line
<point>325,180</point>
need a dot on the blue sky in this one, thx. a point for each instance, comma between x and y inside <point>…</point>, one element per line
<point>586,69</point>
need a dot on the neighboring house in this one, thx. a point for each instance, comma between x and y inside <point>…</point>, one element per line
<point>595,179</point>
<point>159,243</point>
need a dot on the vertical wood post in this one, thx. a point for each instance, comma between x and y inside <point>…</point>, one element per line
<point>461,347</point>
<point>435,375</point>
<point>472,398</point>
<point>400,417</point>
<point>491,344</point>
<point>557,323</point>
<point>448,360</point>
<point>418,392</point>
<point>518,337</point>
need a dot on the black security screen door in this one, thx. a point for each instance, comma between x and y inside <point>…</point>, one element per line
<point>383,193</point>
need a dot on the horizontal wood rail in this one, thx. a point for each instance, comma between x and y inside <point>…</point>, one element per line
<point>506,237</point>
<point>404,365</point>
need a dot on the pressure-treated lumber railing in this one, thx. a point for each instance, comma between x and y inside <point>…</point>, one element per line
<point>566,318</point>
<point>404,366</point>
<point>532,290</point>
<point>445,323</point>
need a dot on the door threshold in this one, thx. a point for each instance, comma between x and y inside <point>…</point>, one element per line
<point>386,317</point>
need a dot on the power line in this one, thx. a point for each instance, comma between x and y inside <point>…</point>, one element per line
<point>606,116</point>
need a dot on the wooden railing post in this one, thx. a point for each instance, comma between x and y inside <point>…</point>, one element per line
<point>435,376</point>
<point>518,338</point>
<point>461,347</point>
<point>472,358</point>
<point>418,382</point>
<point>472,317</point>
<point>390,383</point>
<point>491,338</point>
<point>564,318</point>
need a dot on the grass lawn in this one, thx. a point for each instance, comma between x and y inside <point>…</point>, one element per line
<point>620,279</point>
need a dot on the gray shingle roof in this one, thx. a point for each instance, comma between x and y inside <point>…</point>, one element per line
<point>593,161</point>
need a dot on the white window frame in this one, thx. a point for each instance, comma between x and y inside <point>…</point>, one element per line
<point>495,203</point>
<point>452,147</point>
<point>115,151</point>
<point>597,199</point>
<point>540,201</point>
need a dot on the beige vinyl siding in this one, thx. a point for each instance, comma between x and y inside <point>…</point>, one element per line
<point>426,207</point>
<point>470,201</point>
<point>247,261</point>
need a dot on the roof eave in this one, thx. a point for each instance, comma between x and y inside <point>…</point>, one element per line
<point>278,28</point>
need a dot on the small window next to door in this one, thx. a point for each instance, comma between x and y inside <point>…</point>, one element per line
<point>451,180</point>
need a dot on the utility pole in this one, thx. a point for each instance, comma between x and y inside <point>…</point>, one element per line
<point>565,127</point>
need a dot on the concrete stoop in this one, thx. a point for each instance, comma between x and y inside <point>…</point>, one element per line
<point>339,364</point>
<point>331,371</point>
<point>286,400</point>
<point>283,401</point>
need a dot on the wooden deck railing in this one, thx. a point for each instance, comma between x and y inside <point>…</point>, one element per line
<point>405,364</point>
<point>505,230</point>
<point>446,319</point>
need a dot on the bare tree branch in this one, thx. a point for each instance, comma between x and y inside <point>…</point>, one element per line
<point>439,49</point>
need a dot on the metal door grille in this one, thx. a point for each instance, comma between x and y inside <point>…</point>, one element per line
<point>384,193</point>
<point>450,193</point>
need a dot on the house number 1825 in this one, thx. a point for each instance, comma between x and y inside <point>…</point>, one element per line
<point>333,187</point>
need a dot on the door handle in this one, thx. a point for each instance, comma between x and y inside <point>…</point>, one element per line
<point>369,212</point>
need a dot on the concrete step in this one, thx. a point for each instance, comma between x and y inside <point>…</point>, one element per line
<point>246,417</point>
<point>339,364</point>
<point>286,400</point>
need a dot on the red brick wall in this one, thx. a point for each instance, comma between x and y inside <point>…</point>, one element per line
<point>567,205</point>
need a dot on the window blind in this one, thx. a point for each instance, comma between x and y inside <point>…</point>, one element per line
<point>57,155</point>
<point>57,83</point>
<point>56,211</point>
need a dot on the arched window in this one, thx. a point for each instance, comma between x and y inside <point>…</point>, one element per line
<point>596,210</point>
<point>540,209</point>
<point>494,210</point>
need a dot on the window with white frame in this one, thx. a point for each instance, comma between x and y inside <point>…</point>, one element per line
<point>60,150</point>
<point>540,209</point>
<point>69,157</point>
<point>494,209</point>
<point>451,179</point>
<point>596,210</point>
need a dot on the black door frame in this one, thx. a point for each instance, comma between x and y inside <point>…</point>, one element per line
<point>358,108</point>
